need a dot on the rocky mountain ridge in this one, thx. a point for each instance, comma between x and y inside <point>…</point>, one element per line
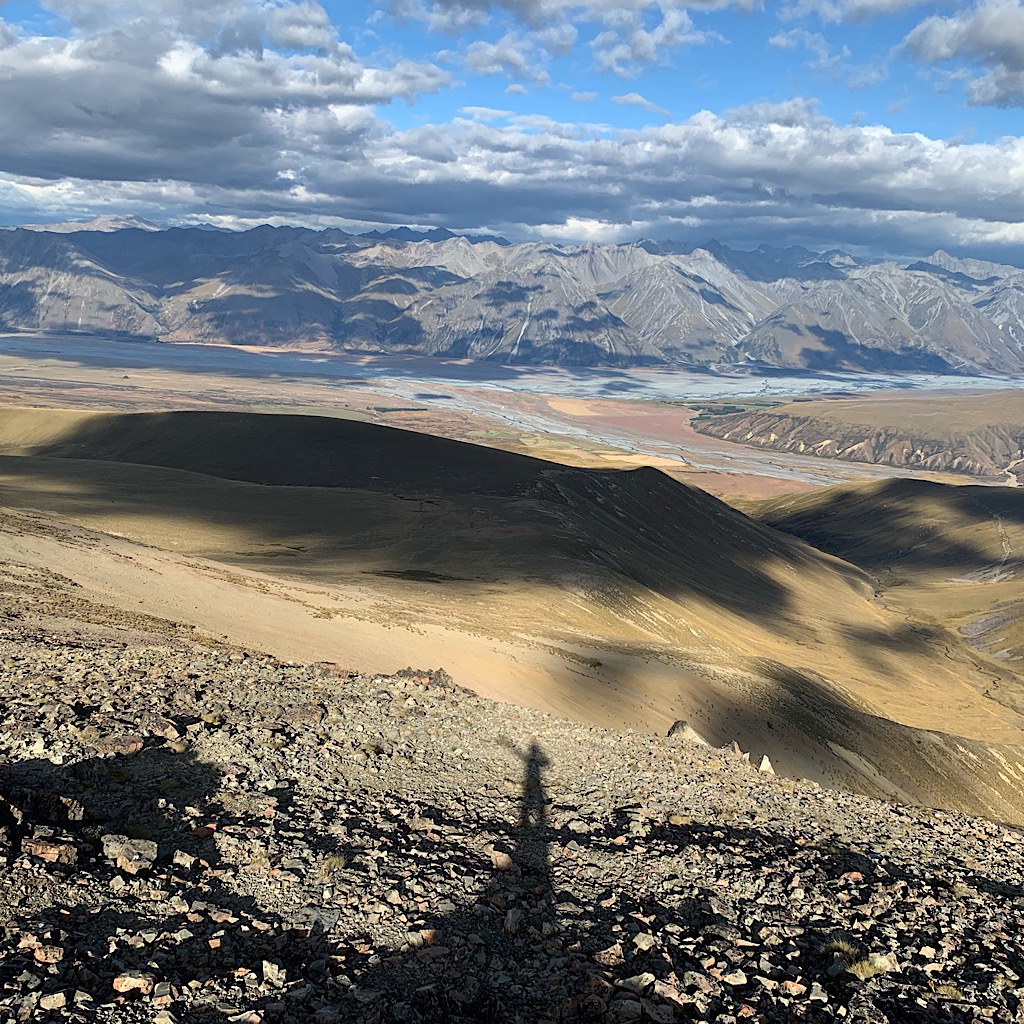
<point>529,303</point>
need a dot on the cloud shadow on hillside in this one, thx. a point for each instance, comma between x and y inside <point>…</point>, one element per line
<point>892,526</point>
<point>428,512</point>
<point>545,521</point>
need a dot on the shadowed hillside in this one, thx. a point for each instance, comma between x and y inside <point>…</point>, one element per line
<point>619,598</point>
<point>950,555</point>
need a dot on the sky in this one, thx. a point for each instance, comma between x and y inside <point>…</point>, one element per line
<point>890,127</point>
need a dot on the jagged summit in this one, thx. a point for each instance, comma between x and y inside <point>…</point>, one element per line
<point>433,235</point>
<point>113,222</point>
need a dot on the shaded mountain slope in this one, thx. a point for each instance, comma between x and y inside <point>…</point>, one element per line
<point>886,317</point>
<point>292,450</point>
<point>613,597</point>
<point>953,556</point>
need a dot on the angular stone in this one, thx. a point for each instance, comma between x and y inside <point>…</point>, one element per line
<point>139,982</point>
<point>129,855</point>
<point>501,861</point>
<point>638,983</point>
<point>53,850</point>
<point>123,744</point>
<point>625,1009</point>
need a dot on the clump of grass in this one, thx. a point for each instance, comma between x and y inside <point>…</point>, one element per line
<point>947,990</point>
<point>840,949</point>
<point>863,969</point>
<point>332,864</point>
<point>871,965</point>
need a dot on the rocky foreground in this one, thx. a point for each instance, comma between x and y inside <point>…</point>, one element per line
<point>196,833</point>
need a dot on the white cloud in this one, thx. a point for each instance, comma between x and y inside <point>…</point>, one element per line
<point>515,55</point>
<point>797,112</point>
<point>634,99</point>
<point>752,175</point>
<point>301,26</point>
<point>990,34</point>
<point>852,10</point>
<point>450,19</point>
<point>157,90</point>
<point>631,34</point>
<point>626,49</point>
<point>151,108</point>
<point>823,57</point>
<point>485,113</point>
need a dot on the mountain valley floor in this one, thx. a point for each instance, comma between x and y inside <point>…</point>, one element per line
<point>587,417</point>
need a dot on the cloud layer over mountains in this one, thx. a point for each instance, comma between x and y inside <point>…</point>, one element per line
<point>244,111</point>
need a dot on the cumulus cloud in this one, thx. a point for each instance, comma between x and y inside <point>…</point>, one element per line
<point>990,34</point>
<point>851,10</point>
<point>756,173</point>
<point>302,26</point>
<point>626,49</point>
<point>823,56</point>
<point>514,55</point>
<point>232,92</point>
<point>835,64</point>
<point>796,112</point>
<point>155,108</point>
<point>485,113</point>
<point>629,35</point>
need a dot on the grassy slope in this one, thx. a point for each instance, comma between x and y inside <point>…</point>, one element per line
<point>799,659</point>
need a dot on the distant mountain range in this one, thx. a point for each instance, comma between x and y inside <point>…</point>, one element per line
<point>481,297</point>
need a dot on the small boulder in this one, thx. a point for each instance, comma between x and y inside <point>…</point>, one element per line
<point>134,983</point>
